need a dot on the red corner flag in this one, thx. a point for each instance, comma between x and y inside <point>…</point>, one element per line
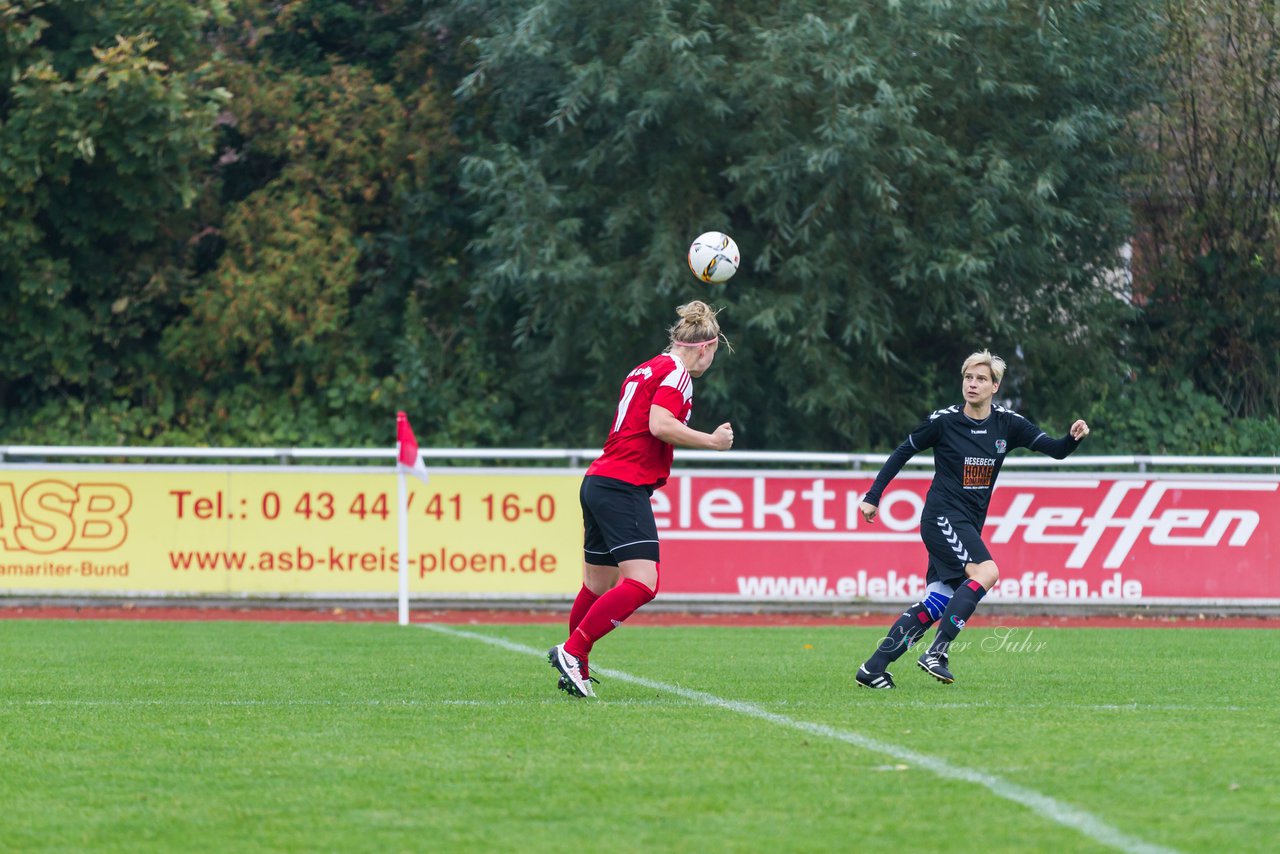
<point>408,459</point>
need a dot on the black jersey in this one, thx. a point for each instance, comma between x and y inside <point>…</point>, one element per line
<point>967,456</point>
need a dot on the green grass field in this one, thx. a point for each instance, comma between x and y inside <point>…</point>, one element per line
<point>229,736</point>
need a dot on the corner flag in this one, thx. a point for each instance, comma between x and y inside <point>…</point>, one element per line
<point>408,459</point>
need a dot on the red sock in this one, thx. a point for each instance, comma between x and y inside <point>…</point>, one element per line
<point>581,605</point>
<point>609,611</point>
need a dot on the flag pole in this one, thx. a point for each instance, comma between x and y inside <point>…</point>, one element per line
<point>404,550</point>
<point>408,460</point>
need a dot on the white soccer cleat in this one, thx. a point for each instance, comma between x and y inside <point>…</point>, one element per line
<point>570,671</point>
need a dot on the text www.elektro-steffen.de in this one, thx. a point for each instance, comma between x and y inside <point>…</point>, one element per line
<point>1027,585</point>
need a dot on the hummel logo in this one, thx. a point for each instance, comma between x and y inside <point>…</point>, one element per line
<point>957,622</point>
<point>616,623</point>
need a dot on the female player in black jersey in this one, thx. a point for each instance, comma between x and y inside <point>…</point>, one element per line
<point>969,446</point>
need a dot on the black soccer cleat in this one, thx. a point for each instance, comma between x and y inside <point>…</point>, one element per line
<point>935,664</point>
<point>867,679</point>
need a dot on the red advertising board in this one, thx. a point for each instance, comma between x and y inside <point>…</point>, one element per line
<point>1056,538</point>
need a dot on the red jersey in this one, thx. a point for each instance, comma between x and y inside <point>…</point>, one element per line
<point>631,453</point>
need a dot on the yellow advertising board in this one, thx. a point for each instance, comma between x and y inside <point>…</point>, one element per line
<point>285,531</point>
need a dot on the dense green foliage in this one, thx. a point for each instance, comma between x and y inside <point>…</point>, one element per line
<point>1210,211</point>
<point>106,119</point>
<point>909,182</point>
<point>297,327</point>
<point>253,222</point>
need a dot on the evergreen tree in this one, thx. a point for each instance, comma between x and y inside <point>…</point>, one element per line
<point>908,181</point>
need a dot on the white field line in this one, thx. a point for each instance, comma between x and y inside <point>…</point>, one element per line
<point>139,703</point>
<point>158,702</point>
<point>1084,707</point>
<point>1042,805</point>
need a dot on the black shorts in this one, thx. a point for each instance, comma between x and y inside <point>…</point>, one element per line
<point>952,544</point>
<point>617,521</point>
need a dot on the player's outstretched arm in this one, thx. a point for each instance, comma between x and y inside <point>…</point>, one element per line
<point>1060,449</point>
<point>665,426</point>
<point>871,501</point>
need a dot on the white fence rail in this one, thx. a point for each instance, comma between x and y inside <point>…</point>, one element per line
<point>576,457</point>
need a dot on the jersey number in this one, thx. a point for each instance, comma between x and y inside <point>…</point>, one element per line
<point>628,392</point>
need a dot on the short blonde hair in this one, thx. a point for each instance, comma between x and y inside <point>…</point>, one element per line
<point>985,357</point>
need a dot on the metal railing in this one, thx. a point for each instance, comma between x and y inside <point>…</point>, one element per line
<point>577,457</point>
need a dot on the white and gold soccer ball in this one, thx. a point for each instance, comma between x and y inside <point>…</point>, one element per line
<point>713,257</point>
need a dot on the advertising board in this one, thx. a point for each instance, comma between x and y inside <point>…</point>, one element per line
<point>1060,538</point>
<point>293,531</point>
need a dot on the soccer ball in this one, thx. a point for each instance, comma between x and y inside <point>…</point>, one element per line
<point>713,257</point>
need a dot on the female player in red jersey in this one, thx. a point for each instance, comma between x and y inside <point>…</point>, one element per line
<point>620,540</point>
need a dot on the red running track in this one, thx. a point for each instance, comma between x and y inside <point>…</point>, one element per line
<point>653,618</point>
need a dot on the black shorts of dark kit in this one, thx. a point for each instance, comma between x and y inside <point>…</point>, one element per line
<point>952,544</point>
<point>617,521</point>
